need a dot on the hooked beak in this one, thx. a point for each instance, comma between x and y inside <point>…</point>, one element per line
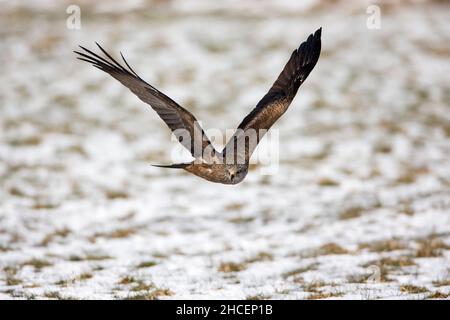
<point>232,174</point>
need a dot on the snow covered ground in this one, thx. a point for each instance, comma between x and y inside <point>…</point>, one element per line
<point>360,205</point>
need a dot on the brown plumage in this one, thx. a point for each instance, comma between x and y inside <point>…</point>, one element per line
<point>231,165</point>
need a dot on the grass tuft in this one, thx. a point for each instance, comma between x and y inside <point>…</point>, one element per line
<point>147,264</point>
<point>38,264</point>
<point>231,267</point>
<point>408,288</point>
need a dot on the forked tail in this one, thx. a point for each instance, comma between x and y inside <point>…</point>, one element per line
<point>173,166</point>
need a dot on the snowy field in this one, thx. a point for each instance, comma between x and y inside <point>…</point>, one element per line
<point>359,207</point>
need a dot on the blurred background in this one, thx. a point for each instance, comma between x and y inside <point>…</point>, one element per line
<point>360,205</point>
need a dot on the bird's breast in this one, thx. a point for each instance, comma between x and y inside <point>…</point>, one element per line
<point>214,172</point>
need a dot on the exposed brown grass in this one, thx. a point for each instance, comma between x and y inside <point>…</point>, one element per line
<point>142,286</point>
<point>12,281</point>
<point>228,267</point>
<point>241,219</point>
<point>438,295</point>
<point>89,257</point>
<point>231,267</point>
<point>57,296</point>
<point>85,276</point>
<point>59,233</point>
<point>143,290</point>
<point>351,213</point>
<point>442,283</point>
<point>82,277</point>
<point>392,262</point>
<point>383,245</point>
<point>324,295</point>
<point>116,234</point>
<point>16,191</point>
<point>258,297</point>
<point>331,248</point>
<point>327,182</point>
<point>127,280</point>
<point>147,264</point>
<point>25,141</point>
<point>298,271</point>
<point>151,295</point>
<point>261,256</point>
<point>408,288</point>
<point>313,286</point>
<point>113,194</point>
<point>237,206</point>
<point>40,204</point>
<point>431,247</point>
<point>407,209</point>
<point>38,264</point>
<point>326,249</point>
<point>410,175</point>
<point>383,147</point>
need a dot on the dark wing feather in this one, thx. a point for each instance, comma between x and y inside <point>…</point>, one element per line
<point>276,101</point>
<point>182,123</point>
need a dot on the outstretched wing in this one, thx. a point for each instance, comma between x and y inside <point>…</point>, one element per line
<point>182,123</point>
<point>242,144</point>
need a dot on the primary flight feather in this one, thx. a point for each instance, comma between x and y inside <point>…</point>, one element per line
<point>230,166</point>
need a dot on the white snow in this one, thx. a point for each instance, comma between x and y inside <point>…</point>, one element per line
<point>364,171</point>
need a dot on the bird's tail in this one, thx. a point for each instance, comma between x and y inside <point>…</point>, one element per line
<point>173,166</point>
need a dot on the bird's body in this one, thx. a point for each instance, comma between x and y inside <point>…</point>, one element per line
<point>220,173</point>
<point>229,166</point>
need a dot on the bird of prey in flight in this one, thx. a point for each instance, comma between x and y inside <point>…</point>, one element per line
<point>229,166</point>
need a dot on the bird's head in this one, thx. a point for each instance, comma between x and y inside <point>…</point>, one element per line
<point>237,172</point>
